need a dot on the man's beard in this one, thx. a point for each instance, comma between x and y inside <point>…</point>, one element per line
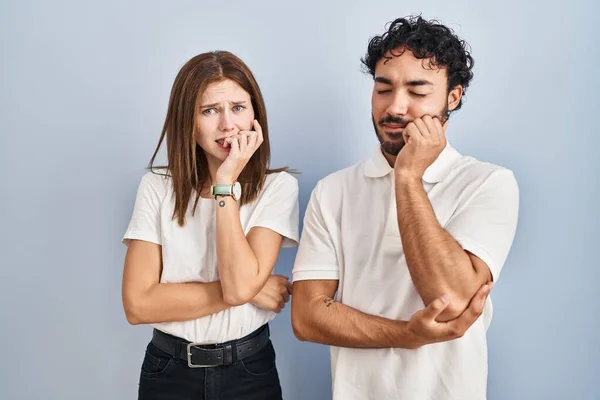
<point>393,147</point>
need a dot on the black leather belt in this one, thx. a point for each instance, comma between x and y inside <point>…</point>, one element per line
<point>212,355</point>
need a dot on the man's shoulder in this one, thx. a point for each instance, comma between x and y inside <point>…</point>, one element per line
<point>342,177</point>
<point>471,170</point>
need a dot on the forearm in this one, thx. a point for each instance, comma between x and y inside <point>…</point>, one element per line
<point>438,265</point>
<point>238,266</point>
<point>332,323</point>
<point>170,302</point>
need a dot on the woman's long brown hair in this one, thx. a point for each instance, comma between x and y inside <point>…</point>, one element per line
<point>187,165</point>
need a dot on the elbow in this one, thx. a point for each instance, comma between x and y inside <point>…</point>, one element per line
<point>234,299</point>
<point>237,296</point>
<point>133,319</point>
<point>239,290</point>
<point>451,312</point>
<point>134,311</point>
<point>300,326</point>
<point>133,314</point>
<point>455,308</point>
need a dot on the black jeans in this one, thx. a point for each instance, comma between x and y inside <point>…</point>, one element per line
<point>167,377</point>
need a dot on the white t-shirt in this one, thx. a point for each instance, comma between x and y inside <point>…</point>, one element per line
<point>189,253</point>
<point>351,235</point>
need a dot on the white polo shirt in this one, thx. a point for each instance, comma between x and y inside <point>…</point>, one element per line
<point>189,253</point>
<point>351,235</point>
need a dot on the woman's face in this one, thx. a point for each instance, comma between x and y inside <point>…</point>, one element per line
<point>225,110</point>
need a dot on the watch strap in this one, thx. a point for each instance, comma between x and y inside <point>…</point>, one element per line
<point>222,190</point>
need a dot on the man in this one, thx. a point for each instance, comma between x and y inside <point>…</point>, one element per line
<point>398,252</point>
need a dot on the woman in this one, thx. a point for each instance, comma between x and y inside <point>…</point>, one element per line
<point>203,240</point>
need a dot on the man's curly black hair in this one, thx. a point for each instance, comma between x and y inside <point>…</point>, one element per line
<point>426,40</point>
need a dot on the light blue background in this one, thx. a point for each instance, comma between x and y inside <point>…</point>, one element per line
<point>83,92</point>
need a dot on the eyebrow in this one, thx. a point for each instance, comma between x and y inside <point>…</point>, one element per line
<point>381,79</point>
<point>418,82</point>
<point>235,103</point>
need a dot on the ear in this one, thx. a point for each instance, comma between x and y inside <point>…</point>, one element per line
<point>454,97</point>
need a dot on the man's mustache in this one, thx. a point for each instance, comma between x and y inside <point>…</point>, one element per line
<point>394,120</point>
<point>389,119</point>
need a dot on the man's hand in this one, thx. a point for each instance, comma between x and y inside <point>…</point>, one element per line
<point>427,330</point>
<point>424,139</point>
<point>274,294</point>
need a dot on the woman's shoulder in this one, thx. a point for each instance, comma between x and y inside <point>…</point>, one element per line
<point>280,181</point>
<point>156,180</point>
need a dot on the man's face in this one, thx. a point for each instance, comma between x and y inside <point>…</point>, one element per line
<point>407,88</point>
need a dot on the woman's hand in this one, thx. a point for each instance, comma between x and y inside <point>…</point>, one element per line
<point>274,294</point>
<point>243,146</point>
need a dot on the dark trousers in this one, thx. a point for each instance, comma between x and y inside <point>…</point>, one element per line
<point>164,376</point>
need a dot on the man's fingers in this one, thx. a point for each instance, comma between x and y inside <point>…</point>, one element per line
<point>438,126</point>
<point>435,308</point>
<point>478,301</point>
<point>411,133</point>
<point>476,305</point>
<point>434,132</point>
<point>457,327</point>
<point>430,125</point>
<point>422,128</point>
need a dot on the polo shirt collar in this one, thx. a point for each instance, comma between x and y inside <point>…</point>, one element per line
<point>378,167</point>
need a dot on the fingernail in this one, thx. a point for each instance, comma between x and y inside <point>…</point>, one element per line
<point>491,285</point>
<point>445,298</point>
<point>486,288</point>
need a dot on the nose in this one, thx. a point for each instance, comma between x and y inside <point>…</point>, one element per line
<point>226,124</point>
<point>399,105</point>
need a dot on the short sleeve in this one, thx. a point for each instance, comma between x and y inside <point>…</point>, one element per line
<point>316,258</point>
<point>145,221</point>
<point>486,225</point>
<point>279,209</point>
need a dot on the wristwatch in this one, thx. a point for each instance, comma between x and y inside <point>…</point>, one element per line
<point>234,190</point>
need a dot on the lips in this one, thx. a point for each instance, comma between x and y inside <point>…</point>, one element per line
<point>393,127</point>
<point>222,145</point>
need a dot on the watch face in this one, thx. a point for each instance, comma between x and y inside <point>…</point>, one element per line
<point>237,191</point>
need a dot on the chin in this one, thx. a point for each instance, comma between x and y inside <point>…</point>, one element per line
<point>391,147</point>
<point>216,155</point>
<point>221,157</point>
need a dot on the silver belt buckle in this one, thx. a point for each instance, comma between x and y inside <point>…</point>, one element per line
<point>189,357</point>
